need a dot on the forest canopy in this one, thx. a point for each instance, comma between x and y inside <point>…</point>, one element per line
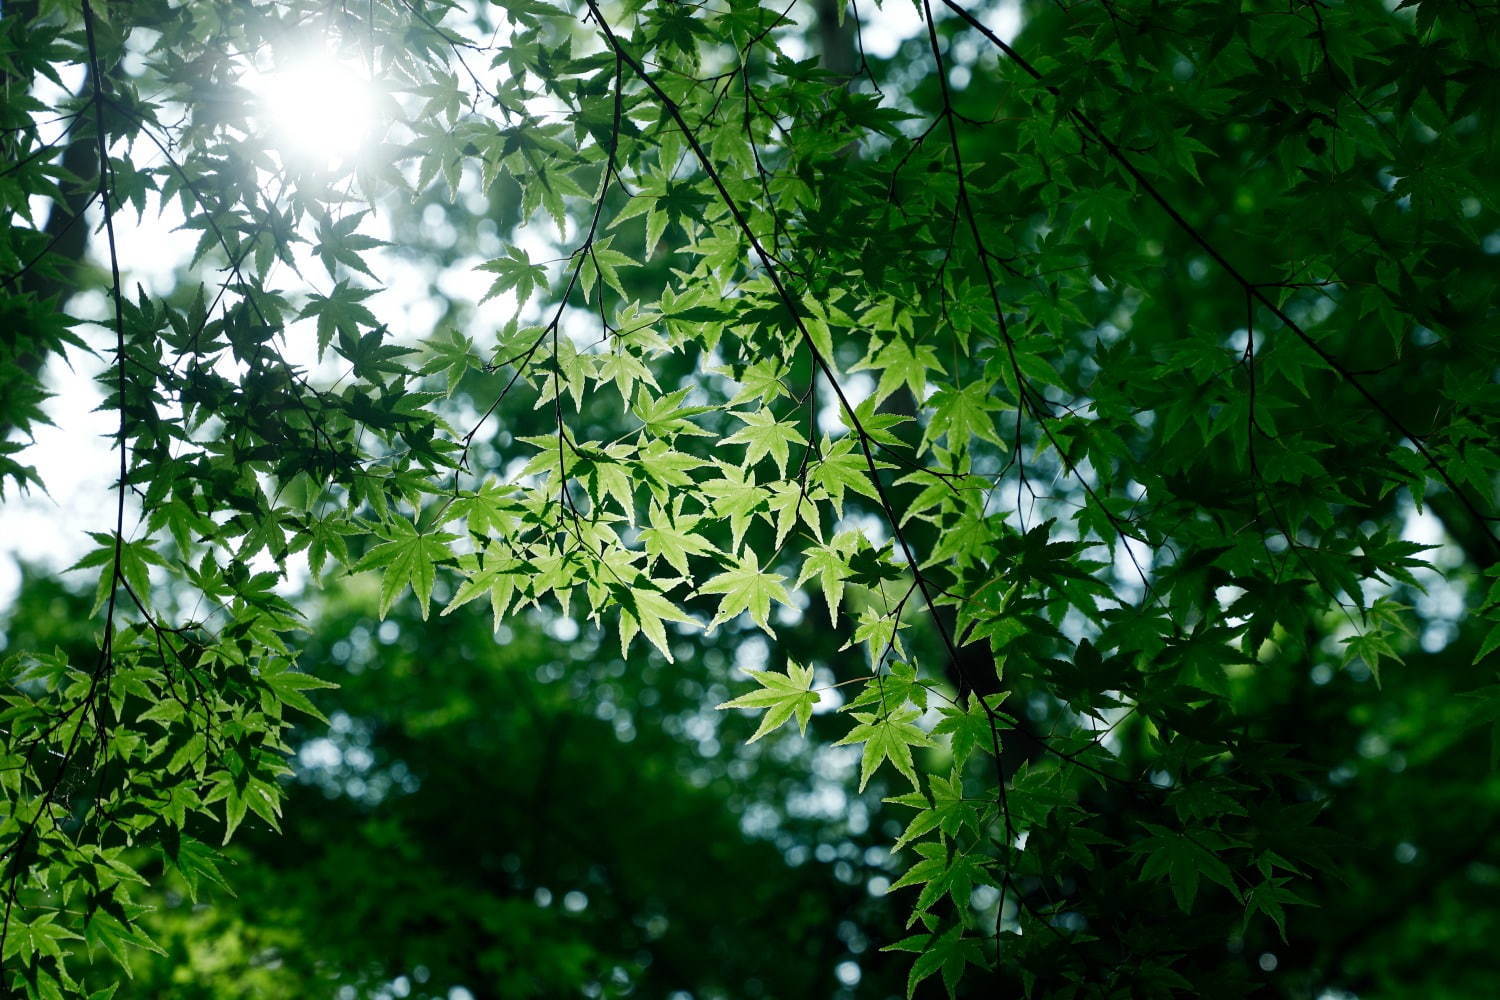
<point>739,499</point>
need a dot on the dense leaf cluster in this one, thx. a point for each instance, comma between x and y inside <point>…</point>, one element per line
<point>1084,381</point>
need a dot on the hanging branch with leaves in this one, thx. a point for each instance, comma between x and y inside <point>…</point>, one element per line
<point>908,349</point>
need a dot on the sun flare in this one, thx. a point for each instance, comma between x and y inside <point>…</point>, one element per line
<point>320,111</point>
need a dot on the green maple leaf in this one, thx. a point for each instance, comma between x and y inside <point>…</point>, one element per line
<point>339,312</point>
<point>970,727</point>
<point>761,380</point>
<point>942,872</point>
<point>948,811</point>
<point>41,936</point>
<point>789,502</point>
<point>900,363</point>
<point>604,262</point>
<point>736,496</point>
<point>830,564</point>
<point>879,633</point>
<point>887,738</point>
<point>410,558</point>
<point>961,415</point>
<point>785,695</point>
<point>1384,626</point>
<point>514,271</point>
<point>763,435</point>
<point>1268,898</point>
<point>453,356</point>
<point>108,932</point>
<point>338,243</point>
<point>665,415</point>
<point>1182,860</point>
<point>949,952</point>
<point>891,690</point>
<point>665,470</point>
<point>625,369</point>
<point>497,577</point>
<point>842,468</point>
<point>198,864</point>
<point>289,685</point>
<point>747,588</point>
<point>672,537</point>
<point>643,610</point>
